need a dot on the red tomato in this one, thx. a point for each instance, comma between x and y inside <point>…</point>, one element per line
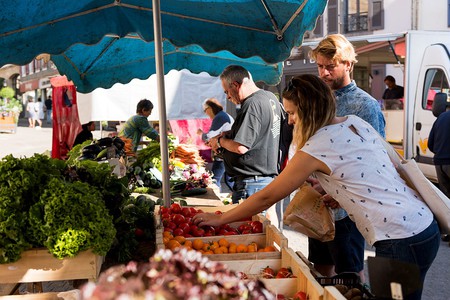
<point>193,227</point>
<point>166,216</point>
<point>230,233</point>
<point>208,228</point>
<point>268,272</point>
<point>164,210</point>
<point>247,231</point>
<point>218,212</point>
<point>185,227</point>
<point>257,227</point>
<point>178,231</point>
<point>300,296</point>
<point>186,211</point>
<point>223,231</point>
<point>193,210</point>
<point>171,225</point>
<point>198,232</point>
<point>284,273</point>
<point>168,229</point>
<point>280,297</point>
<point>178,219</point>
<point>165,222</point>
<point>175,208</point>
<point>243,227</point>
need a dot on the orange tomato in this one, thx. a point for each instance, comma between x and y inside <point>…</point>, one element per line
<point>270,249</point>
<point>181,239</point>
<point>224,242</point>
<point>232,248</point>
<point>173,244</point>
<point>197,244</point>
<point>241,248</point>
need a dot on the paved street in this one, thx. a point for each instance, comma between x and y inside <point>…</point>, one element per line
<point>27,141</point>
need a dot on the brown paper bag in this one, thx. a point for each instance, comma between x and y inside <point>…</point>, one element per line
<point>306,213</point>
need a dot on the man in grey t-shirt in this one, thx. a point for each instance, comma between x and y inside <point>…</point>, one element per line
<point>250,148</point>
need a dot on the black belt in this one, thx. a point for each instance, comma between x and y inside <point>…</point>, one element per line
<point>256,177</point>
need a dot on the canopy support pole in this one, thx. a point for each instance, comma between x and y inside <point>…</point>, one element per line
<point>159,60</point>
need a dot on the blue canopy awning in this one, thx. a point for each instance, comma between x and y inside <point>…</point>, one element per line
<point>266,28</point>
<point>119,60</point>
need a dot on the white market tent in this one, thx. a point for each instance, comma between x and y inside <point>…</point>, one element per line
<point>185,94</point>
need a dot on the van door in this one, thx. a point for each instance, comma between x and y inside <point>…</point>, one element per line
<point>433,78</point>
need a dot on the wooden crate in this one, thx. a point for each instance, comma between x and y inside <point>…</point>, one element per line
<point>304,282</point>
<point>39,265</point>
<point>272,237</point>
<point>332,293</point>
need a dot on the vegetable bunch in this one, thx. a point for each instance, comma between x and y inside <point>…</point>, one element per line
<point>45,202</point>
<point>70,218</point>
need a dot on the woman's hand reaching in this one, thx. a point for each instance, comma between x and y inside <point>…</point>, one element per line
<point>210,219</point>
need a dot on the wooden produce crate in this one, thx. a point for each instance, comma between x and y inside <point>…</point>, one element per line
<point>272,237</point>
<point>304,282</point>
<point>38,265</point>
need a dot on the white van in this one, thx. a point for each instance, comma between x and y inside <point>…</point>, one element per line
<point>425,61</point>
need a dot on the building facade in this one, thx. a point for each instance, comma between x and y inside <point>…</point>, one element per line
<point>361,20</point>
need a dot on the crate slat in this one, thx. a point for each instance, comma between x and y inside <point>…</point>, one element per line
<point>38,265</point>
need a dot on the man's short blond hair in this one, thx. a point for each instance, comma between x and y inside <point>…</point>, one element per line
<point>335,47</point>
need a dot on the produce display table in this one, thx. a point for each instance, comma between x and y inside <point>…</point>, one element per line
<point>38,265</point>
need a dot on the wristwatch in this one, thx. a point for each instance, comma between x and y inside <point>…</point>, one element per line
<point>218,142</point>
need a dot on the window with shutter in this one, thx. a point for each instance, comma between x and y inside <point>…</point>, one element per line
<point>357,16</point>
<point>333,16</point>
<point>377,14</point>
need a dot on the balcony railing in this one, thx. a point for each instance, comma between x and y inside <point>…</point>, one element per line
<point>357,22</point>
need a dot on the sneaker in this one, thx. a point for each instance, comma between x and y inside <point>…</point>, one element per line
<point>38,127</point>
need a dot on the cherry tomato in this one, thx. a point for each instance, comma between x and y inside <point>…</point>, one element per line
<point>178,219</point>
<point>268,272</point>
<point>186,211</point>
<point>185,227</point>
<point>175,208</point>
<point>257,227</point>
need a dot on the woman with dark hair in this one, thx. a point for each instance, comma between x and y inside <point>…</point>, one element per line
<point>348,157</point>
<point>85,134</point>
<point>138,125</point>
<point>221,122</point>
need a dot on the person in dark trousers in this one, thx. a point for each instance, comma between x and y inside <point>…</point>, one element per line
<point>221,122</point>
<point>48,105</point>
<point>250,148</point>
<point>335,58</point>
<point>439,144</point>
<point>85,134</point>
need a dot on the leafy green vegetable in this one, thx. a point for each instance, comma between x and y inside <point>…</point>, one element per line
<point>70,218</point>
